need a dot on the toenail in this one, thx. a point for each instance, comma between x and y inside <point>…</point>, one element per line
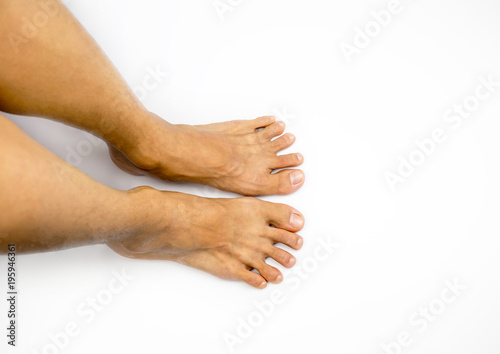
<point>296,220</point>
<point>291,137</point>
<point>281,124</point>
<point>291,261</point>
<point>262,285</point>
<point>279,278</point>
<point>300,157</point>
<point>296,177</point>
<point>300,242</point>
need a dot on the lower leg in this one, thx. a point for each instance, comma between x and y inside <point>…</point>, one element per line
<point>59,72</point>
<point>47,204</point>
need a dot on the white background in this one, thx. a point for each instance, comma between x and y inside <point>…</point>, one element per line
<point>353,121</point>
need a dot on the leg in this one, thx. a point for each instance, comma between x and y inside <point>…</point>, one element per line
<point>61,73</point>
<point>47,204</point>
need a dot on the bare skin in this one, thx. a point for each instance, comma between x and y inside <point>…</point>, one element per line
<point>224,237</point>
<point>47,204</point>
<point>240,158</point>
<point>60,73</point>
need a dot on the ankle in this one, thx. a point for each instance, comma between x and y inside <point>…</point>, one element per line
<point>148,216</point>
<point>141,144</point>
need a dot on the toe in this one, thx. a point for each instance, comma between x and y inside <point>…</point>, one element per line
<point>252,279</point>
<point>290,239</point>
<point>289,160</point>
<point>281,256</point>
<point>282,142</point>
<point>262,122</point>
<point>285,182</point>
<point>273,130</point>
<point>271,274</point>
<point>284,217</point>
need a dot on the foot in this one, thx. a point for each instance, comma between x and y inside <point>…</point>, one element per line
<point>224,237</point>
<point>236,156</point>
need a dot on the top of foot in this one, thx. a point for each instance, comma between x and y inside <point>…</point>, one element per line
<point>236,156</point>
<point>227,238</point>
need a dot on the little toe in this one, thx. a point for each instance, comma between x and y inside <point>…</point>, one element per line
<point>270,273</point>
<point>282,142</point>
<point>261,122</point>
<point>273,130</point>
<point>252,279</point>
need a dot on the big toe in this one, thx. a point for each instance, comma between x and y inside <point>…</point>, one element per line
<point>285,181</point>
<point>283,217</point>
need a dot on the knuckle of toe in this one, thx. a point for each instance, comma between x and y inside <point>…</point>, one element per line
<point>283,257</point>
<point>285,159</point>
<point>283,184</point>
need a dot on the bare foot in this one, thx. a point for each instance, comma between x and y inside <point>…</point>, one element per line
<point>236,156</point>
<point>224,237</point>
